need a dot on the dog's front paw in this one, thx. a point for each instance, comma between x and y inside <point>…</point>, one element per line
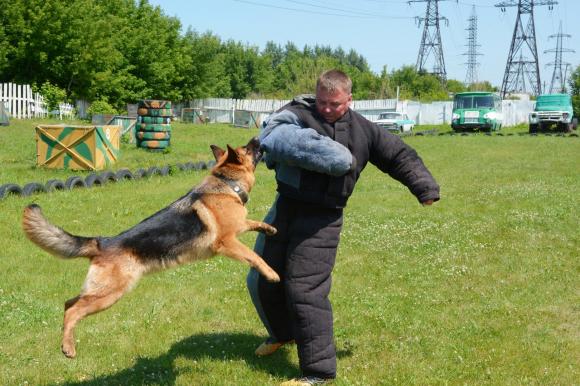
<point>69,350</point>
<point>269,230</point>
<point>272,277</point>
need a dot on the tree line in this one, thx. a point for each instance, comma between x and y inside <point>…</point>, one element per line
<point>118,51</point>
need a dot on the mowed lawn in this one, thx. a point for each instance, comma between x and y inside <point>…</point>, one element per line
<point>480,289</point>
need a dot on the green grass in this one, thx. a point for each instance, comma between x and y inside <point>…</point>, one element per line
<point>480,289</point>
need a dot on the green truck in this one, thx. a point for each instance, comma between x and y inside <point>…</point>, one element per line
<point>477,110</point>
<point>553,110</point>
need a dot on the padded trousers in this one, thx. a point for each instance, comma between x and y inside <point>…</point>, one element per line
<point>303,253</point>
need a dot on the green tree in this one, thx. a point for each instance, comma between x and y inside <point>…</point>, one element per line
<point>575,90</point>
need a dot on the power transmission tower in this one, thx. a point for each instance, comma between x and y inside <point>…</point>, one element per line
<point>431,39</point>
<point>523,38</point>
<point>558,83</point>
<point>472,54</point>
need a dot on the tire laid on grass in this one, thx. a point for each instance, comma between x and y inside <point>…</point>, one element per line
<point>8,189</point>
<point>153,171</point>
<point>33,188</point>
<point>189,166</point>
<point>52,185</point>
<point>124,174</point>
<point>165,170</point>
<point>94,179</point>
<point>74,182</point>
<point>200,165</point>
<point>140,173</point>
<point>148,135</point>
<point>109,176</point>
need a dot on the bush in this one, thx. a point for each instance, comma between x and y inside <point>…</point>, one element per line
<point>100,107</point>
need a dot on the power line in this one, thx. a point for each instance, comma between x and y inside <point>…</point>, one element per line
<point>347,14</point>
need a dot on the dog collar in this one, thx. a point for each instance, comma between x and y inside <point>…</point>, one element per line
<point>235,187</point>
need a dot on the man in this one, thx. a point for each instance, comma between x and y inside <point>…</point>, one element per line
<point>318,147</point>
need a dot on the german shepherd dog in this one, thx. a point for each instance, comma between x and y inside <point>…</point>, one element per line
<point>199,225</point>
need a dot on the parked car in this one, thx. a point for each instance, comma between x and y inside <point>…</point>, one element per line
<point>477,110</point>
<point>395,121</point>
<point>553,110</point>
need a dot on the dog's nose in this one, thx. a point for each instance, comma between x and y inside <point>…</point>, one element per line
<point>254,142</point>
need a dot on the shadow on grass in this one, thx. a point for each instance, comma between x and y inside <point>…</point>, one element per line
<point>219,347</point>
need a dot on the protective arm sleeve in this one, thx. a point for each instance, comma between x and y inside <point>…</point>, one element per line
<point>285,141</point>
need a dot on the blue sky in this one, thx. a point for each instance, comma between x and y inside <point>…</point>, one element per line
<point>385,32</point>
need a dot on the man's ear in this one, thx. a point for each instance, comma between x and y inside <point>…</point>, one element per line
<point>217,151</point>
<point>233,156</point>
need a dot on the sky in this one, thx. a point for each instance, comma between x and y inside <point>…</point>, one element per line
<point>385,32</point>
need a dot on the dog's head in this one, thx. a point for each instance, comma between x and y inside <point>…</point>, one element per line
<point>238,163</point>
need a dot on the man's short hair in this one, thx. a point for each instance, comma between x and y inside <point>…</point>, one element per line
<point>333,80</point>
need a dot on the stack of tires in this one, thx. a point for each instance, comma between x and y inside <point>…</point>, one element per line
<point>153,129</point>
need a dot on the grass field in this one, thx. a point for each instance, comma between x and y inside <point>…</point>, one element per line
<point>480,289</point>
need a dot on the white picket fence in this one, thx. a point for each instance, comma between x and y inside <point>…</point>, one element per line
<point>22,103</point>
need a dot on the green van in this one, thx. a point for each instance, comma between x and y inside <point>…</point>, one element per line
<point>477,110</point>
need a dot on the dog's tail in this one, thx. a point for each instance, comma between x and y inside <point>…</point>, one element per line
<point>54,239</point>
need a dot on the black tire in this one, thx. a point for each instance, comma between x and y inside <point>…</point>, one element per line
<point>124,174</point>
<point>94,180</point>
<point>74,182</point>
<point>140,173</point>
<point>200,165</point>
<point>109,176</point>
<point>189,166</point>
<point>533,128</point>
<point>32,188</point>
<point>165,170</point>
<point>8,189</point>
<point>181,167</point>
<point>52,185</point>
<point>153,170</point>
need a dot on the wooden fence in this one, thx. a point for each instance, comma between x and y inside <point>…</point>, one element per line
<point>22,103</point>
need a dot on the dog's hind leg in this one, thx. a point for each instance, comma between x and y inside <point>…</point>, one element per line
<point>104,286</point>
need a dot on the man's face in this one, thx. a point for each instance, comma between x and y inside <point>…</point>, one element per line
<point>332,105</point>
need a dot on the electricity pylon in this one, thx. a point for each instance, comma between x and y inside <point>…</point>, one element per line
<point>472,54</point>
<point>513,81</point>
<point>558,83</point>
<point>431,39</point>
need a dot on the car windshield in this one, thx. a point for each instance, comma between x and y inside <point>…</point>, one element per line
<point>389,116</point>
<point>473,102</point>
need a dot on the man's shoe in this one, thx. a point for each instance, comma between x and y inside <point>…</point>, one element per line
<point>270,346</point>
<point>306,381</point>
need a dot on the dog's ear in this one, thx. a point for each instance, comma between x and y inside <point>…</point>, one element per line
<point>233,156</point>
<point>217,151</point>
